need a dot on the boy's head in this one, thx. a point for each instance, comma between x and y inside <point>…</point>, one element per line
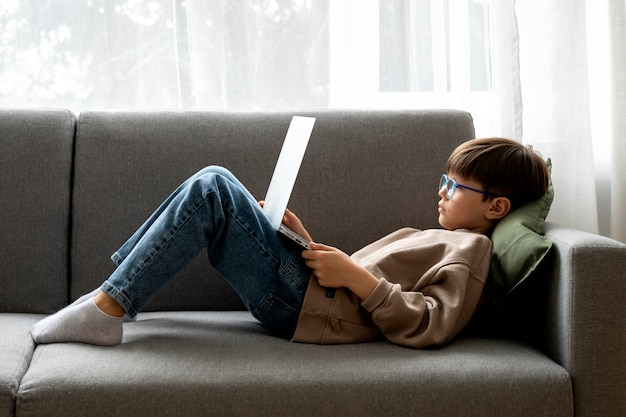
<point>505,173</point>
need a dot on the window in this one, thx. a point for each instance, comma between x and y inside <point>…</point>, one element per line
<point>253,54</point>
<point>425,54</point>
<point>136,54</point>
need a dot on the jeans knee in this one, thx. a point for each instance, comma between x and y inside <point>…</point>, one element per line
<point>215,170</point>
<point>214,174</point>
<point>215,179</point>
<point>220,181</point>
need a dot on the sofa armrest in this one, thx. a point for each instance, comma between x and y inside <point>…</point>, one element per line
<point>584,314</point>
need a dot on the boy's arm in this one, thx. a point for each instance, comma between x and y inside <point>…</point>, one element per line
<point>419,318</point>
<point>334,269</point>
<point>430,316</point>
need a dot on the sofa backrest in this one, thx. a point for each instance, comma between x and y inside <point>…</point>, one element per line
<point>36,160</point>
<point>365,174</point>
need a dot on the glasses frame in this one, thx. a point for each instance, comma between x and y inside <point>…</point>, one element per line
<point>444,181</point>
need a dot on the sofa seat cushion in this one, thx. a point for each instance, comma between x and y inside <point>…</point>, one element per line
<point>223,363</point>
<point>16,351</point>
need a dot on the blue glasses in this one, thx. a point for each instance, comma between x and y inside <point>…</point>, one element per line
<point>450,185</point>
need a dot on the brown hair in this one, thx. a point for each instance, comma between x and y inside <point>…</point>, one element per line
<point>503,167</point>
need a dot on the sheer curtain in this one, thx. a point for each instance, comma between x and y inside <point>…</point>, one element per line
<point>143,54</point>
<point>617,88</point>
<point>258,54</point>
<point>573,88</point>
<point>459,54</point>
<point>262,54</point>
<point>549,73</point>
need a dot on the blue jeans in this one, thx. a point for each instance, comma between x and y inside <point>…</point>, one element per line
<point>213,210</point>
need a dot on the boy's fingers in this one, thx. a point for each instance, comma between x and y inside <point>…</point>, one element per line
<point>319,246</point>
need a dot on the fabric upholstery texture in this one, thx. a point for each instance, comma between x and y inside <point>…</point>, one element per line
<point>36,160</point>
<point>223,363</point>
<point>16,351</point>
<point>579,309</point>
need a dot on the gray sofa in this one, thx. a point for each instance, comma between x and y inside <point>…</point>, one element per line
<point>74,188</point>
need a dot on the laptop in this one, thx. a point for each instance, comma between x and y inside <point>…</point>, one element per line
<point>285,174</point>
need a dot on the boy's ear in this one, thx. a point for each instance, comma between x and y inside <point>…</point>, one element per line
<point>500,207</point>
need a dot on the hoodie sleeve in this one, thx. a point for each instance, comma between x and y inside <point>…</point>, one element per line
<point>431,316</point>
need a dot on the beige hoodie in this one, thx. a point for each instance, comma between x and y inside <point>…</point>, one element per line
<point>431,283</point>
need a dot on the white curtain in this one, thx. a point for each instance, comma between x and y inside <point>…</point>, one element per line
<point>573,87</point>
<point>548,73</point>
<point>143,54</point>
<point>258,54</point>
<point>459,54</point>
<point>617,88</point>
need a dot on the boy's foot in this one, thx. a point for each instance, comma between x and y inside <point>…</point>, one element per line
<point>80,322</point>
<point>92,294</point>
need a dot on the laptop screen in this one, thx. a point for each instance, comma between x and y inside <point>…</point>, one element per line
<point>287,167</point>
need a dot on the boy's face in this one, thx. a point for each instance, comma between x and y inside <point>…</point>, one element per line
<point>466,209</point>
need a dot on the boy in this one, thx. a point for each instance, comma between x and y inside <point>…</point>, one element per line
<point>414,288</point>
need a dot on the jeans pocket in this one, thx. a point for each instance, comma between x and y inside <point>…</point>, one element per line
<point>278,316</point>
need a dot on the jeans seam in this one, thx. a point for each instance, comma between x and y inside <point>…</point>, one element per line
<point>249,231</point>
<point>270,303</point>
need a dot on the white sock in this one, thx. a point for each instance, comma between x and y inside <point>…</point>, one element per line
<point>80,322</point>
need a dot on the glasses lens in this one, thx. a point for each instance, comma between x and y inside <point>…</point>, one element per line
<point>443,181</point>
<point>448,184</point>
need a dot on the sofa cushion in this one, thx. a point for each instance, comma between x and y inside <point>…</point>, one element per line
<point>36,160</point>
<point>223,363</point>
<point>16,351</point>
<point>128,163</point>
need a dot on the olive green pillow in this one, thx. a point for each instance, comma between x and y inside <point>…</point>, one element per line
<point>518,246</point>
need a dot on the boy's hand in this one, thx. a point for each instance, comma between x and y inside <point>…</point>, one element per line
<point>293,222</point>
<point>334,269</point>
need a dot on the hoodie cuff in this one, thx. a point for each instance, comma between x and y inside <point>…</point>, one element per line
<point>378,296</point>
